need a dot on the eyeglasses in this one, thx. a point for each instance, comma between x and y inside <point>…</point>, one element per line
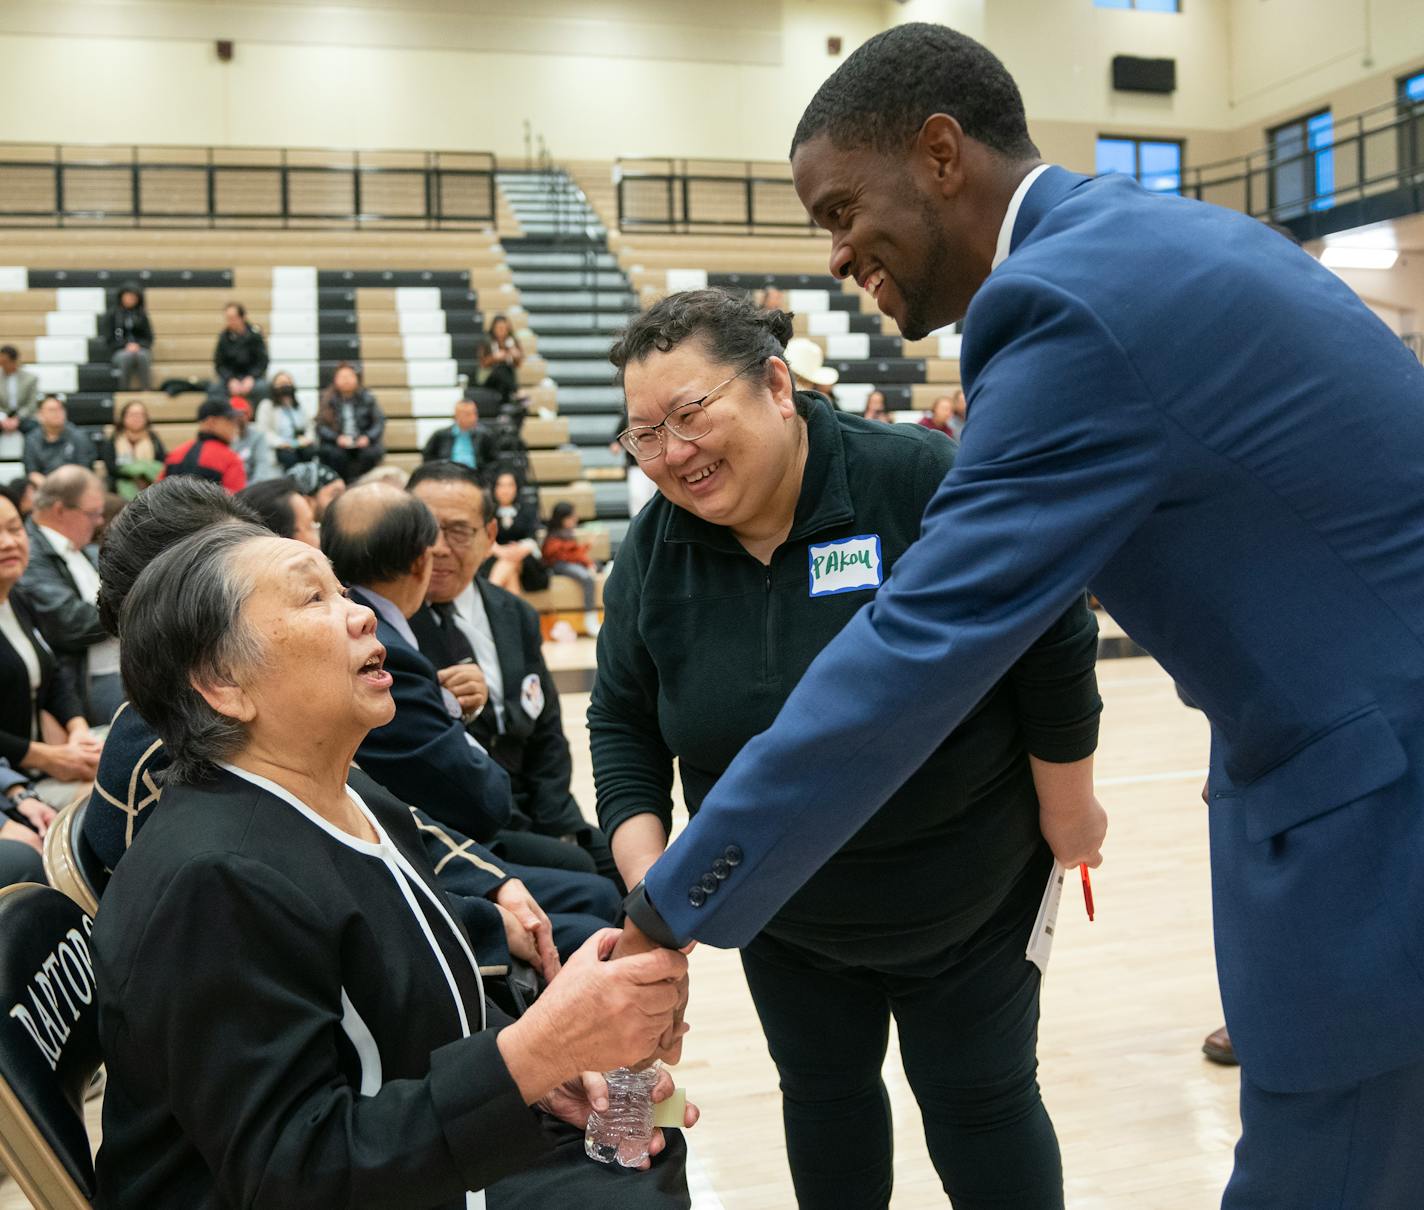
<point>688,421</point>
<point>458,535</point>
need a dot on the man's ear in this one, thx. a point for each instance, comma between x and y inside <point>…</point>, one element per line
<point>231,701</point>
<point>938,149</point>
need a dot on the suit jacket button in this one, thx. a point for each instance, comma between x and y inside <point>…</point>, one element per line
<point>733,855</point>
<point>721,868</point>
<point>697,896</point>
<point>708,883</point>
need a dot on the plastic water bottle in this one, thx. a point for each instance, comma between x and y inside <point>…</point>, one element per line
<point>622,1133</point>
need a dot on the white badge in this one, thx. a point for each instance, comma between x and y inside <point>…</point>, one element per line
<point>531,695</point>
<point>846,566</point>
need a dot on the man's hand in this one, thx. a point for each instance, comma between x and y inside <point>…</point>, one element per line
<point>362,441</point>
<point>467,682</point>
<point>635,941</point>
<point>575,1099</point>
<point>597,1015</point>
<point>11,830</point>
<point>74,761</point>
<point>513,897</point>
<point>8,424</point>
<point>1075,834</point>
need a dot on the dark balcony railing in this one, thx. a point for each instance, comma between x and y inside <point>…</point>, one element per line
<point>680,195</point>
<point>71,186</point>
<point>1378,173</point>
<point>1378,161</point>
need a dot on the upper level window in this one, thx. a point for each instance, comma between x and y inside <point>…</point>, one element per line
<point>1156,163</point>
<point>1302,165</point>
<point>1142,6</point>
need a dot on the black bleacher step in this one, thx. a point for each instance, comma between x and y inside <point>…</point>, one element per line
<point>541,261</point>
<point>575,406</point>
<point>893,369</point>
<point>455,279</point>
<point>559,243</point>
<point>607,302</point>
<point>112,279</point>
<point>453,298</point>
<point>610,499</point>
<point>844,302</point>
<point>336,323</point>
<point>866,321</point>
<point>595,429</point>
<point>91,408</point>
<point>786,281</point>
<point>338,348</point>
<point>600,455</point>
<point>578,323</point>
<point>335,298</point>
<point>886,346</point>
<point>97,376</point>
<point>570,279</point>
<point>465,323</point>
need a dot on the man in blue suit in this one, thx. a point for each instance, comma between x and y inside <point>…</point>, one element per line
<point>1172,404</point>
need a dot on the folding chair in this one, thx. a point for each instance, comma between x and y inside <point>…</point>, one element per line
<point>49,1045</point>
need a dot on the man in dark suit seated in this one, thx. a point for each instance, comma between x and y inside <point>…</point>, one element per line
<point>379,541</point>
<point>470,621</point>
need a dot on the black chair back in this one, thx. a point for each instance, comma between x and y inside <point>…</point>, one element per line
<point>49,1044</point>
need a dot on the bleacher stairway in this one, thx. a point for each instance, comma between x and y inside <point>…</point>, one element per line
<point>577,299</point>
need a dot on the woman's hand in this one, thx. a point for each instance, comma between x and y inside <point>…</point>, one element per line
<point>597,1015</point>
<point>514,900</point>
<point>575,1099</point>
<point>467,683</point>
<point>39,813</point>
<point>10,830</point>
<point>64,762</point>
<point>1075,834</point>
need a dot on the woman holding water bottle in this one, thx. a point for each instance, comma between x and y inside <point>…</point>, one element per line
<point>778,519</point>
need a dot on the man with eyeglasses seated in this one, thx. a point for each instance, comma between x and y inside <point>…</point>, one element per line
<point>471,622</point>
<point>62,583</point>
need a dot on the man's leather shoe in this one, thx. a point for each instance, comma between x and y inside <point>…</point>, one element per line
<point>1218,1048</point>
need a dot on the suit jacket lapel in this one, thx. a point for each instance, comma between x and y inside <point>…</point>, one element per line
<point>503,616</point>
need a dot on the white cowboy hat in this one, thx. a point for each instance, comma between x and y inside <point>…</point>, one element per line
<point>806,361</point>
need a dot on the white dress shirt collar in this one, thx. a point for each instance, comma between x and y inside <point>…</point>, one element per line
<point>1006,231</point>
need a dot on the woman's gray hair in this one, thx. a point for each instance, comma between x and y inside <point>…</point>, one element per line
<point>182,625</point>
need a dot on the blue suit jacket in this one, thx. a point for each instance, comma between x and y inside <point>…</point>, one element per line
<point>1173,404</point>
<point>422,755</point>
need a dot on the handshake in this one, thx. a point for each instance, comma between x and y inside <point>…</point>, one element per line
<point>617,1002</point>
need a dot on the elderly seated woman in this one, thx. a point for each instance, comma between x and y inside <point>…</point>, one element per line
<point>289,1012</point>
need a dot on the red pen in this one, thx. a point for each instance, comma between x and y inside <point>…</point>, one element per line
<point>1087,892</point>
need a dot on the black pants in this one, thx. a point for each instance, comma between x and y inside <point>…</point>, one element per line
<point>19,863</point>
<point>353,463</point>
<point>567,1177</point>
<point>968,1024</point>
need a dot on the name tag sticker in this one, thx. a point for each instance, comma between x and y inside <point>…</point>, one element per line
<point>531,695</point>
<point>850,565</point>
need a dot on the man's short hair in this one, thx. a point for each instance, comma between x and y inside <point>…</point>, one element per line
<point>375,534</point>
<point>454,472</point>
<point>65,485</point>
<point>882,94</point>
<point>10,351</point>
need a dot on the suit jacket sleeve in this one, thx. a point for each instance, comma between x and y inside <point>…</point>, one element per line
<point>260,1093</point>
<point>548,766</point>
<point>423,757</point>
<point>1061,460</point>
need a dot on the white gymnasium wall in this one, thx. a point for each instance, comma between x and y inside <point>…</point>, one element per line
<point>1289,55</point>
<point>597,80</point>
<point>658,77</point>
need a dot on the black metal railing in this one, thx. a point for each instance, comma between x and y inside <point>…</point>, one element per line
<point>1377,155</point>
<point>682,195</point>
<point>1378,172</point>
<point>294,188</point>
